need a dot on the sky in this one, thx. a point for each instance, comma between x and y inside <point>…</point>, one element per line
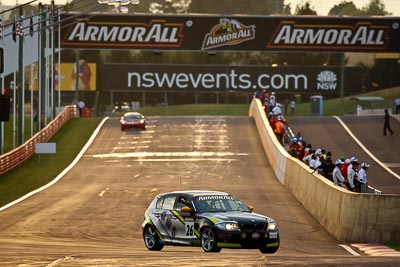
<point>321,6</point>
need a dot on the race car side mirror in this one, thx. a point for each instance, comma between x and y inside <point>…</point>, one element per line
<point>186,209</point>
<point>251,208</point>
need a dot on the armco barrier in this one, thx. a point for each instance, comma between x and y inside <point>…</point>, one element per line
<point>22,153</point>
<point>348,216</point>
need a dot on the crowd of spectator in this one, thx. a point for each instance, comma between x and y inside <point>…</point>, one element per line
<point>344,172</point>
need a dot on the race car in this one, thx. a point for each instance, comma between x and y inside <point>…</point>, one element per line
<point>210,219</point>
<point>132,120</point>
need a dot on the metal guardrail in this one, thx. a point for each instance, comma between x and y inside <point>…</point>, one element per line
<point>15,157</point>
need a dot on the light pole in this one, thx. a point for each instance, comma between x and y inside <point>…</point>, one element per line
<point>120,5</point>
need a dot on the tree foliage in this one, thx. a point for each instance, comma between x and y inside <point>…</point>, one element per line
<point>373,8</point>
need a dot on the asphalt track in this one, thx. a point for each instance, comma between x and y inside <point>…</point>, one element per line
<point>329,134</point>
<point>93,215</point>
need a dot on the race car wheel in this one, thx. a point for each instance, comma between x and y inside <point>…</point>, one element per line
<point>209,240</point>
<point>268,250</point>
<point>151,238</point>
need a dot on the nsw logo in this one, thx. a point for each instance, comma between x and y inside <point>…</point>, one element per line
<point>228,32</point>
<point>326,80</point>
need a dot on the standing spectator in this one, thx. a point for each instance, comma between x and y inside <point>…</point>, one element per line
<point>315,162</point>
<point>386,124</point>
<point>362,177</point>
<point>272,101</point>
<point>266,104</point>
<point>292,106</point>
<point>81,106</point>
<point>343,170</point>
<point>279,129</point>
<point>328,166</point>
<point>257,94</point>
<point>337,176</point>
<point>294,148</point>
<point>352,174</point>
<point>397,103</point>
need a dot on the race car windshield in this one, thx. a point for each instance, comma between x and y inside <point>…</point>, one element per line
<point>218,203</point>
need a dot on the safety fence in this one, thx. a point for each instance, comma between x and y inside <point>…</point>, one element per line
<point>15,157</point>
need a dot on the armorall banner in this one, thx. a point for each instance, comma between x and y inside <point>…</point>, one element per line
<point>218,78</point>
<point>231,33</point>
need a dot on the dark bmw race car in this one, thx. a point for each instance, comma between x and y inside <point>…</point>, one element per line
<point>212,220</point>
<point>132,120</point>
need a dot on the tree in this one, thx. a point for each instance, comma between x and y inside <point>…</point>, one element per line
<point>305,9</point>
<point>170,6</point>
<point>345,8</point>
<point>375,8</point>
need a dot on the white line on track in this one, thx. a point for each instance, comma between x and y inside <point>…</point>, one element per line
<point>365,149</point>
<point>103,192</point>
<point>350,250</point>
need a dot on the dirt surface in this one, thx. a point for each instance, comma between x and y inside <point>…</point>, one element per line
<point>93,215</point>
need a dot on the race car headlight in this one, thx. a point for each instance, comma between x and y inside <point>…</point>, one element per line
<point>272,226</point>
<point>228,226</point>
<point>141,121</point>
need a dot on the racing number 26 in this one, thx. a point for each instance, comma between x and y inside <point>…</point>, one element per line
<point>189,229</point>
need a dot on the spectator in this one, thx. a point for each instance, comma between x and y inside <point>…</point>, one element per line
<point>266,104</point>
<point>257,94</point>
<point>81,106</point>
<point>352,174</point>
<point>362,177</point>
<point>279,129</point>
<point>343,170</point>
<point>315,162</point>
<point>328,166</point>
<point>337,176</point>
<point>292,106</point>
<point>397,103</point>
<point>386,124</point>
<point>307,150</point>
<point>272,101</point>
<point>276,111</point>
<point>294,148</point>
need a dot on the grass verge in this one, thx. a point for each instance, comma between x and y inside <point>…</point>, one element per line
<point>35,173</point>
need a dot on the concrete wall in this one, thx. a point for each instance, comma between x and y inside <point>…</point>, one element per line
<point>348,216</point>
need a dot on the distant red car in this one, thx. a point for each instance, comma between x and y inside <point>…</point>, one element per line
<point>132,120</point>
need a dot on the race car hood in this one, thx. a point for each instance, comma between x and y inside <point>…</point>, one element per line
<point>240,217</point>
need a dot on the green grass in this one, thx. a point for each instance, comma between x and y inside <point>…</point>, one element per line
<point>395,246</point>
<point>35,173</point>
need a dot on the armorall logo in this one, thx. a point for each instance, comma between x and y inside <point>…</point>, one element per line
<point>228,32</point>
<point>362,35</point>
<point>157,33</point>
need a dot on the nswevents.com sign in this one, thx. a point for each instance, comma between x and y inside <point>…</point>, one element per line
<point>214,78</point>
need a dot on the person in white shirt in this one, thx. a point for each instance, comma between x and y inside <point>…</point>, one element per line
<point>315,162</point>
<point>337,176</point>
<point>352,174</point>
<point>362,177</point>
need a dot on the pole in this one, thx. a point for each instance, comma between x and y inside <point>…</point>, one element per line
<point>42,66</point>
<point>342,85</point>
<point>19,85</point>
<point>77,70</point>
